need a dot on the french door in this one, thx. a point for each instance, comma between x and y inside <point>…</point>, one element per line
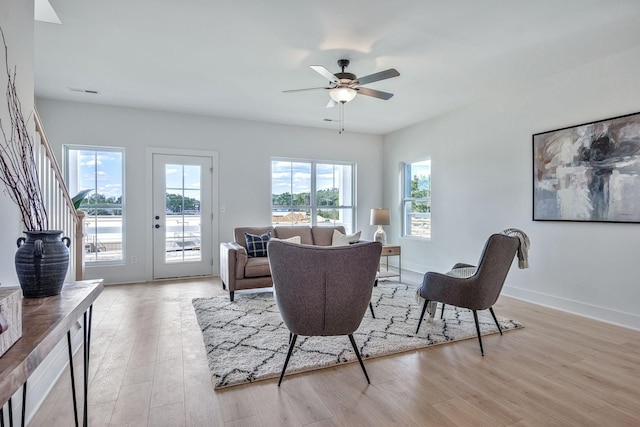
<point>182,216</point>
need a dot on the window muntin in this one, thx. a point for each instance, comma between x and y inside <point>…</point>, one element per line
<point>313,193</point>
<point>416,201</point>
<point>100,170</point>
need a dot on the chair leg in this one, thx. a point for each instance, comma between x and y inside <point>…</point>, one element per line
<point>495,319</point>
<point>286,361</point>
<point>442,312</point>
<point>224,287</point>
<point>372,313</point>
<point>475,317</point>
<point>355,348</point>
<point>231,296</point>
<point>424,309</point>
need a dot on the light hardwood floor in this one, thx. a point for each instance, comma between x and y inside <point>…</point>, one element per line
<point>148,367</point>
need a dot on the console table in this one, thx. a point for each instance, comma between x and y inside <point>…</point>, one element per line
<point>387,251</point>
<point>45,321</point>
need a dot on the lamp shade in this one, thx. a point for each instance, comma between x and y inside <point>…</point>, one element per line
<point>342,94</point>
<point>380,216</point>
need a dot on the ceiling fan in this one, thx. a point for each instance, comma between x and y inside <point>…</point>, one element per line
<point>343,87</point>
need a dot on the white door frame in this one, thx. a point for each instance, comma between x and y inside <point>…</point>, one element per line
<point>215,250</point>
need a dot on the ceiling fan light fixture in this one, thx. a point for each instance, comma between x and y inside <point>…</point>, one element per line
<point>342,94</point>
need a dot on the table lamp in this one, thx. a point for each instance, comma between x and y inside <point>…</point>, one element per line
<point>380,217</point>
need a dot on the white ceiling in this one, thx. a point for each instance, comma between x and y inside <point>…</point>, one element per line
<point>233,58</point>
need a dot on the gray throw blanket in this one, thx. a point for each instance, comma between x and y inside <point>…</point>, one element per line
<point>523,247</point>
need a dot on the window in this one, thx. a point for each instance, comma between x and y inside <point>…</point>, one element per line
<point>416,200</point>
<point>99,170</point>
<point>313,193</point>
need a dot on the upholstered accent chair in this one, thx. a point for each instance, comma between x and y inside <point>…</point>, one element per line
<point>481,289</point>
<point>323,291</point>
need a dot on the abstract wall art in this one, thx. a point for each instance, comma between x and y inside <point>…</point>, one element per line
<point>589,172</point>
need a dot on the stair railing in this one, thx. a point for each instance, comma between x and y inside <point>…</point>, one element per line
<point>62,214</point>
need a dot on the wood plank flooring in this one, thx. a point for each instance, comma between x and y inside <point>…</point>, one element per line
<point>149,368</point>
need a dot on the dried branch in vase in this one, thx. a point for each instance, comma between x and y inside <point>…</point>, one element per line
<point>17,158</point>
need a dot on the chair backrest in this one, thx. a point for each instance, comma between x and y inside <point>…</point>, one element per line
<point>323,290</point>
<point>493,267</point>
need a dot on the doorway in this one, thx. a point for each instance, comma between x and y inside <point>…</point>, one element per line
<point>182,215</point>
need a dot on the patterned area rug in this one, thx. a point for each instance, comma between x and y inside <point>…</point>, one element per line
<point>247,341</point>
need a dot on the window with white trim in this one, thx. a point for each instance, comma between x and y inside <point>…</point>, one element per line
<point>100,172</point>
<point>313,192</point>
<point>416,199</point>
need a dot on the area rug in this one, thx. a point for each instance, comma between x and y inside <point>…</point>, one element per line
<point>247,341</point>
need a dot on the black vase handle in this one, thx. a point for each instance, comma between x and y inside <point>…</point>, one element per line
<point>67,241</point>
<point>21,241</point>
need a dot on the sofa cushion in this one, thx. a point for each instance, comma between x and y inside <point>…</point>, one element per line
<point>257,267</point>
<point>257,245</point>
<point>294,239</point>
<point>340,239</point>
<point>323,235</point>
<point>304,231</point>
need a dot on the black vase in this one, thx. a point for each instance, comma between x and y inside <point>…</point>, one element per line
<point>42,261</point>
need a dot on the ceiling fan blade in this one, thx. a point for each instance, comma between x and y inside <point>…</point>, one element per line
<point>382,75</point>
<point>303,90</point>
<point>374,93</point>
<point>331,103</point>
<point>325,73</point>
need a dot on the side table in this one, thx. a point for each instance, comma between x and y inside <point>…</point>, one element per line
<point>387,251</point>
<point>45,323</point>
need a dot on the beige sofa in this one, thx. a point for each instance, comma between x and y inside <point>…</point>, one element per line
<point>239,271</point>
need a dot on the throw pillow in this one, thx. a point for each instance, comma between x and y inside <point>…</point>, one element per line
<point>340,239</point>
<point>294,239</point>
<point>257,245</point>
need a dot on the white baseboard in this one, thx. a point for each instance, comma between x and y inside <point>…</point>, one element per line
<point>615,317</point>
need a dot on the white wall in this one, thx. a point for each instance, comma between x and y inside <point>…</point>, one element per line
<point>16,20</point>
<point>482,183</point>
<point>245,149</point>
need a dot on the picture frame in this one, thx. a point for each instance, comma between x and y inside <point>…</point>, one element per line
<point>588,172</point>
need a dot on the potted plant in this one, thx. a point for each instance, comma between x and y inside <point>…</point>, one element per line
<point>42,258</point>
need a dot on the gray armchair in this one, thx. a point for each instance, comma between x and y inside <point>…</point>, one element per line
<point>479,291</point>
<point>323,291</point>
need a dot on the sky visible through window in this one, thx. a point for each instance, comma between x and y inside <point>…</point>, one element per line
<point>288,177</point>
<point>101,170</point>
<point>183,176</point>
<point>295,177</point>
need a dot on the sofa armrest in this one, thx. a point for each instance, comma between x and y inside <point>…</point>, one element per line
<point>233,258</point>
